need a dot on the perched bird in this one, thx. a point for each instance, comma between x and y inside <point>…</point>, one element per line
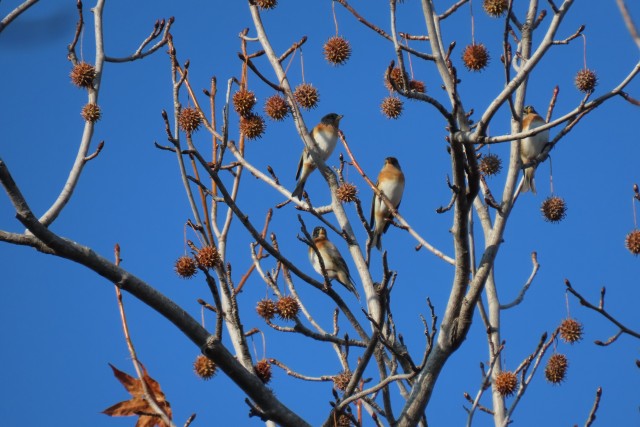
<point>391,183</point>
<point>532,146</point>
<point>325,134</point>
<point>334,264</point>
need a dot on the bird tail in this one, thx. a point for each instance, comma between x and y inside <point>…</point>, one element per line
<point>297,192</point>
<point>376,240</point>
<point>350,285</point>
<point>529,183</point>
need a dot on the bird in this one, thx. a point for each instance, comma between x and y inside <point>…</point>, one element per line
<point>334,264</point>
<point>391,183</point>
<point>531,146</point>
<point>325,134</point>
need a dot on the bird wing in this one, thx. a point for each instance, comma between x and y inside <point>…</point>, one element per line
<point>373,208</point>
<point>300,163</point>
<point>390,218</point>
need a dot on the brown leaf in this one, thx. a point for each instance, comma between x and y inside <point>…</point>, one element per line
<point>138,405</point>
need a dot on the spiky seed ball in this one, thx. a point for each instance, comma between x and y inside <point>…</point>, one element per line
<point>307,96</point>
<point>243,102</point>
<point>396,76</point>
<point>288,308</point>
<point>337,50</point>
<point>633,242</point>
<point>263,370</point>
<point>475,57</point>
<point>266,308</point>
<point>556,368</point>
<point>91,112</point>
<point>392,107</point>
<point>267,4</point>
<point>490,165</point>
<point>82,74</point>
<point>341,380</point>
<point>506,383</point>
<point>586,80</point>
<point>207,257</point>
<point>418,86</point>
<point>276,108</point>
<point>252,126</point>
<point>204,367</point>
<point>343,420</point>
<point>185,267</point>
<point>495,8</point>
<point>570,331</point>
<point>554,209</point>
<point>347,192</point>
<point>189,120</point>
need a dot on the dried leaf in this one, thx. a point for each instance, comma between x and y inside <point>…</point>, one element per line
<point>138,405</point>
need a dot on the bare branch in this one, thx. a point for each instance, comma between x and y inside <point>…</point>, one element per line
<point>15,13</point>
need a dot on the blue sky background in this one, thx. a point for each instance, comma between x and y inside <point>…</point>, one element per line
<point>60,322</point>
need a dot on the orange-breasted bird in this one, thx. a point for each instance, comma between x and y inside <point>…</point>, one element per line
<point>334,264</point>
<point>531,146</point>
<point>391,183</point>
<point>325,134</point>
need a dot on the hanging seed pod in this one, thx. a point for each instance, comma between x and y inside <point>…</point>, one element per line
<point>475,57</point>
<point>276,108</point>
<point>347,193</point>
<point>396,76</point>
<point>267,4</point>
<point>506,383</point>
<point>189,120</point>
<point>495,8</point>
<point>207,257</point>
<point>570,331</point>
<point>82,74</point>
<point>91,113</point>
<point>392,107</point>
<point>586,80</point>
<point>632,242</point>
<point>267,308</point>
<point>337,50</point>
<point>288,308</point>
<point>554,209</point>
<point>204,367</point>
<point>341,380</point>
<point>252,126</point>
<point>263,370</point>
<point>556,369</point>
<point>490,165</point>
<point>243,102</point>
<point>185,267</point>
<point>306,96</point>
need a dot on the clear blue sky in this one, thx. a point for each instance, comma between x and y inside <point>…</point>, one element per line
<point>60,324</point>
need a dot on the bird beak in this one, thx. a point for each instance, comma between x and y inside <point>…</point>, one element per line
<point>340,116</point>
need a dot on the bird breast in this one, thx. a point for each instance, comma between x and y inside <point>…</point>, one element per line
<point>326,140</point>
<point>533,145</point>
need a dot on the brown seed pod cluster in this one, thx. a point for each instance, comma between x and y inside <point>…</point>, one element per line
<point>341,380</point>
<point>204,367</point>
<point>495,8</point>
<point>267,308</point>
<point>343,420</point>
<point>490,165</point>
<point>556,369</point>
<point>347,193</point>
<point>91,112</point>
<point>276,108</point>
<point>337,50</point>
<point>267,4</point>
<point>554,209</point>
<point>586,80</point>
<point>82,74</point>
<point>185,267</point>
<point>506,383</point>
<point>288,308</point>
<point>570,331</point>
<point>243,102</point>
<point>418,86</point>
<point>392,107</point>
<point>189,120</point>
<point>394,75</point>
<point>252,126</point>
<point>263,370</point>
<point>306,96</point>
<point>632,242</point>
<point>475,57</point>
<point>207,257</point>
